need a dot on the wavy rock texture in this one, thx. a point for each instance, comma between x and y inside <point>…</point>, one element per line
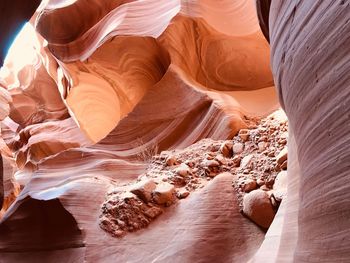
<point>179,45</point>
<point>108,83</point>
<point>111,81</point>
<point>312,225</point>
<point>310,40</point>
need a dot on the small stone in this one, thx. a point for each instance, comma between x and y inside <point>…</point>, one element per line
<point>190,164</point>
<point>265,152</point>
<point>269,182</point>
<point>280,186</point>
<point>209,155</point>
<point>236,161</point>
<point>283,166</point>
<point>164,193</point>
<point>104,220</point>
<point>144,189</point>
<point>263,139</point>
<point>246,161</point>
<point>153,212</point>
<point>178,180</point>
<point>284,135</point>
<point>239,182</point>
<point>210,163</point>
<point>257,206</point>
<point>226,149</point>
<point>262,129</point>
<point>260,182</point>
<point>244,134</point>
<point>171,161</point>
<point>266,168</point>
<point>183,170</point>
<point>127,196</point>
<point>238,148</point>
<point>241,176</point>
<point>214,148</point>
<point>282,141</point>
<point>220,158</point>
<point>183,194</point>
<point>164,155</point>
<point>262,146</point>
<point>273,201</point>
<point>249,185</point>
<point>282,156</point>
<point>120,223</point>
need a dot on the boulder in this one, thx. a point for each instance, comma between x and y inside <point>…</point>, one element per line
<point>164,194</point>
<point>257,207</point>
<point>183,170</point>
<point>210,163</point>
<point>226,149</point>
<point>144,189</point>
<point>171,160</point>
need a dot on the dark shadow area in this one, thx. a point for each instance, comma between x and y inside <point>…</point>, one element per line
<point>39,225</point>
<point>263,10</point>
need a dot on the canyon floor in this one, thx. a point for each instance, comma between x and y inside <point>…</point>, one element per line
<point>255,159</point>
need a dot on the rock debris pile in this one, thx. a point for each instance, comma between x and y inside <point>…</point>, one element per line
<point>257,157</point>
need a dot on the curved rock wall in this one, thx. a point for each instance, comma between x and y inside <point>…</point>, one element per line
<point>112,82</point>
<point>310,43</point>
<point>187,37</point>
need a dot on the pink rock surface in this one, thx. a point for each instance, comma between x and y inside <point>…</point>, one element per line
<point>111,83</point>
<point>310,54</point>
<point>107,88</point>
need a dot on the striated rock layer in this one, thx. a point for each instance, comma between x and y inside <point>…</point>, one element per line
<point>106,84</point>
<point>310,59</point>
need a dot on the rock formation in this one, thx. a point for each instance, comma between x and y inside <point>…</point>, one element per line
<point>125,125</point>
<point>310,48</point>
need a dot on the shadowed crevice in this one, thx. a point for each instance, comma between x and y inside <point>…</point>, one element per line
<point>39,225</point>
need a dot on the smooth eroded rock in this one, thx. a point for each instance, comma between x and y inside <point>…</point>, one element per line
<point>257,206</point>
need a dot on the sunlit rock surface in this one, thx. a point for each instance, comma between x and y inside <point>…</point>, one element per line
<point>106,84</point>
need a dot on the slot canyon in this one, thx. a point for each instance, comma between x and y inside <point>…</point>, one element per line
<point>174,131</point>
